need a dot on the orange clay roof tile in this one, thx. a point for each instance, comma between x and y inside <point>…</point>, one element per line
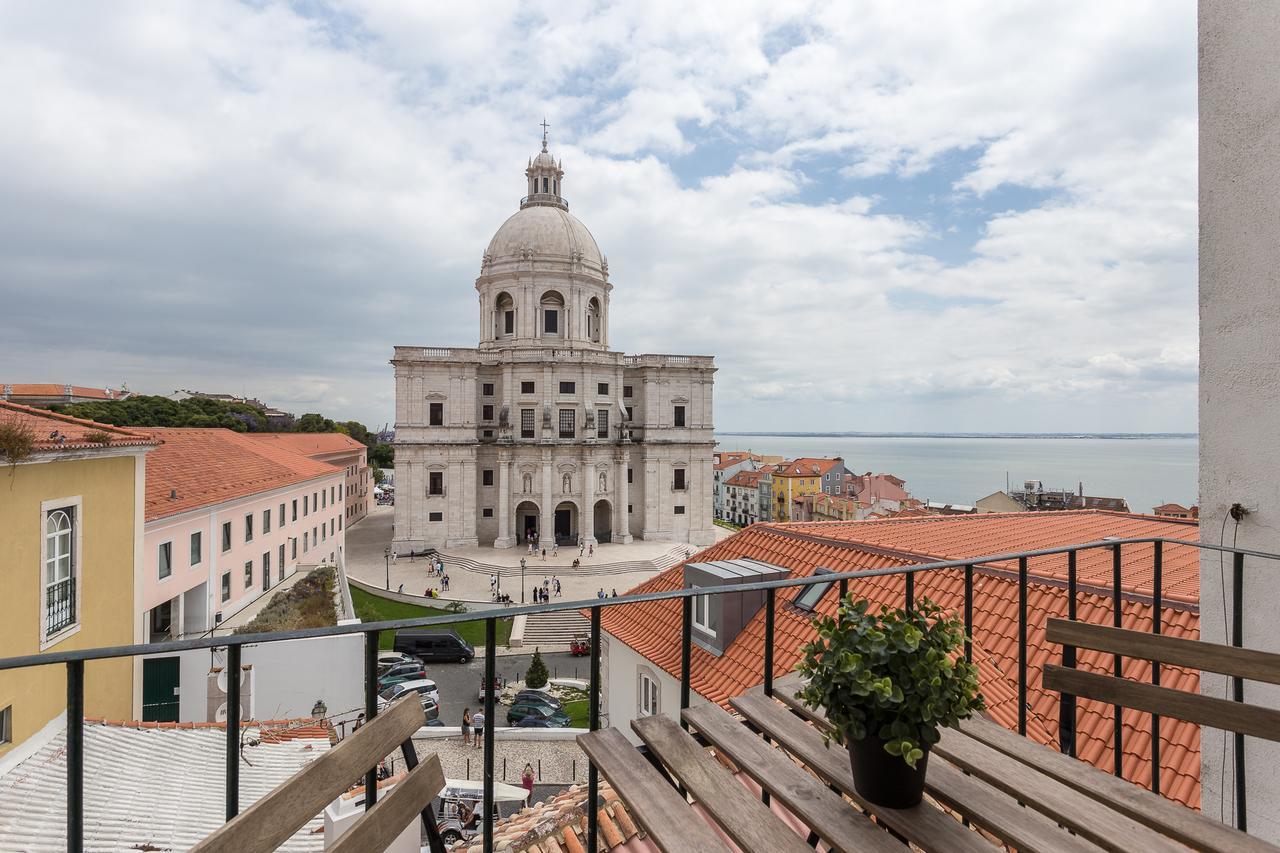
<point>55,432</point>
<point>209,466</point>
<point>653,628</point>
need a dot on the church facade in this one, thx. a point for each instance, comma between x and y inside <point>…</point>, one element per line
<point>542,430</point>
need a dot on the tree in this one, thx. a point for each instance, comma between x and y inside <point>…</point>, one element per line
<point>312,422</point>
<point>378,476</point>
<point>536,677</point>
<point>382,455</point>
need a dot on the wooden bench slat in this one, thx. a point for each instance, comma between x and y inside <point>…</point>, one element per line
<point>1084,815</point>
<point>1000,813</point>
<point>272,820</point>
<point>671,823</point>
<point>923,825</point>
<point>1171,818</point>
<point>1249,664</point>
<point>745,819</point>
<point>382,824</point>
<point>842,827</point>
<point>1193,707</point>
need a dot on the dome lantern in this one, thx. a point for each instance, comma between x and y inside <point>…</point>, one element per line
<point>544,176</point>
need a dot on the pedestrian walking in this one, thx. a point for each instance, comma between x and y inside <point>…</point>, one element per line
<point>466,727</point>
<point>444,583</point>
<point>546,584</point>
<point>557,585</point>
<point>493,582</point>
<point>477,722</point>
<point>582,550</point>
<point>591,550</point>
<point>393,558</point>
<point>401,589</point>
<point>544,554</point>
<point>440,566</point>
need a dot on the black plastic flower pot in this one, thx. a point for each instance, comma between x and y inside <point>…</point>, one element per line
<point>885,779</point>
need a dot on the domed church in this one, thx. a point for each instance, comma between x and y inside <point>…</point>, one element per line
<point>542,430</point>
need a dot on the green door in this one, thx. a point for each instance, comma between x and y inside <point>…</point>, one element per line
<point>160,690</point>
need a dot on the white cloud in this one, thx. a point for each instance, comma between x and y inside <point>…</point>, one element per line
<point>219,195</point>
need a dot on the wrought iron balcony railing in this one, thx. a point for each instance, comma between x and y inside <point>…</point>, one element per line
<point>59,606</point>
<point>74,661</point>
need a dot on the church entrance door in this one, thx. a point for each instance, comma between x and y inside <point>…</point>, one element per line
<point>603,521</point>
<point>566,521</point>
<point>526,521</point>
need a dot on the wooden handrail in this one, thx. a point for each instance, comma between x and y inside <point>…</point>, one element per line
<point>382,824</point>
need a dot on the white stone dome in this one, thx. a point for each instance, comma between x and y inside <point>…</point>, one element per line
<point>546,230</point>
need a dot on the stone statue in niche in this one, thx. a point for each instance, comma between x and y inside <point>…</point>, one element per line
<point>566,484</point>
<point>504,416</point>
<point>527,483</point>
<point>604,482</point>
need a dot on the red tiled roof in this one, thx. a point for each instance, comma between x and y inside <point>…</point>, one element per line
<point>271,731</point>
<point>807,466</point>
<point>55,431</point>
<point>309,443</point>
<point>653,628</point>
<point>52,389</point>
<point>729,458</point>
<point>208,466</point>
<point>749,479</point>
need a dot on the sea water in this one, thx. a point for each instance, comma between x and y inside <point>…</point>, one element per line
<point>1144,470</point>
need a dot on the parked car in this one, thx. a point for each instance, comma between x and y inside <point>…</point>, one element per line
<point>412,674</point>
<point>538,697</point>
<point>538,723</point>
<point>497,686</point>
<point>524,710</point>
<point>431,646</point>
<point>404,668</point>
<point>386,660</point>
<point>424,687</point>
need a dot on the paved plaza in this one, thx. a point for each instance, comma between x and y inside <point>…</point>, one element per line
<point>611,567</point>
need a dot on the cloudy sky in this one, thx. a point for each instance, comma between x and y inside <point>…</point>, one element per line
<point>877,216</point>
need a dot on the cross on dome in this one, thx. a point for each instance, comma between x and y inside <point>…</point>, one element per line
<point>544,133</point>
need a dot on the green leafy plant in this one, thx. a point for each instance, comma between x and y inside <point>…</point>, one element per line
<point>536,676</point>
<point>17,442</point>
<point>893,675</point>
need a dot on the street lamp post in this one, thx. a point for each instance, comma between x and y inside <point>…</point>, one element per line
<point>522,580</point>
<point>387,556</point>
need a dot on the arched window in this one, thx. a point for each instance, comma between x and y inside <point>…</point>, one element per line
<point>593,320</point>
<point>59,570</point>
<point>552,308</point>
<point>545,185</point>
<point>504,321</point>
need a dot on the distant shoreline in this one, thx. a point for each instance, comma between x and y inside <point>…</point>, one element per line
<point>1121,436</point>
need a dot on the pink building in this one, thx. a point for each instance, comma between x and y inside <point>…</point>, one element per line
<point>228,518</point>
<point>336,449</point>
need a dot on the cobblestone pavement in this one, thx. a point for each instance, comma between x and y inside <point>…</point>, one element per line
<point>367,541</point>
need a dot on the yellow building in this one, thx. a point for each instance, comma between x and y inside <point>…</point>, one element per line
<point>797,478</point>
<point>71,523</point>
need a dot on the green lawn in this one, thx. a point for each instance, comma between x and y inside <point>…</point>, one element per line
<point>578,710</point>
<point>372,608</point>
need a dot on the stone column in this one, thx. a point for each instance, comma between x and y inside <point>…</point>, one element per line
<point>547,525</point>
<point>504,539</point>
<point>588,522</point>
<point>622,519</point>
<point>653,508</point>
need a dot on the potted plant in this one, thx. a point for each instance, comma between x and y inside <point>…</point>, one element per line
<point>888,682</point>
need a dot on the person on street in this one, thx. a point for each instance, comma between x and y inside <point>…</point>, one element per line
<point>401,589</point>
<point>466,727</point>
<point>591,550</point>
<point>477,722</point>
<point>544,554</point>
<point>556,581</point>
<point>526,778</point>
<point>555,549</point>
<point>393,558</point>
<point>615,594</point>
<point>444,583</point>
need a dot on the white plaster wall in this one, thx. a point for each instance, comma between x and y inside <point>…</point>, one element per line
<point>619,672</point>
<point>1240,362</point>
<point>288,678</point>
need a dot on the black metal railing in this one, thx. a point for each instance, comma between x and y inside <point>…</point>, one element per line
<point>74,660</point>
<point>59,606</point>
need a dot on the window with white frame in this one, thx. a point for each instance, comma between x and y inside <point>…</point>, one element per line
<point>60,561</point>
<point>649,696</point>
<point>165,562</point>
<point>248,574</point>
<point>703,619</point>
<point>196,549</point>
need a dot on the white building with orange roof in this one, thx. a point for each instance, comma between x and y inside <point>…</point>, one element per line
<point>229,517</point>
<point>339,449</point>
<point>728,463</point>
<point>44,394</point>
